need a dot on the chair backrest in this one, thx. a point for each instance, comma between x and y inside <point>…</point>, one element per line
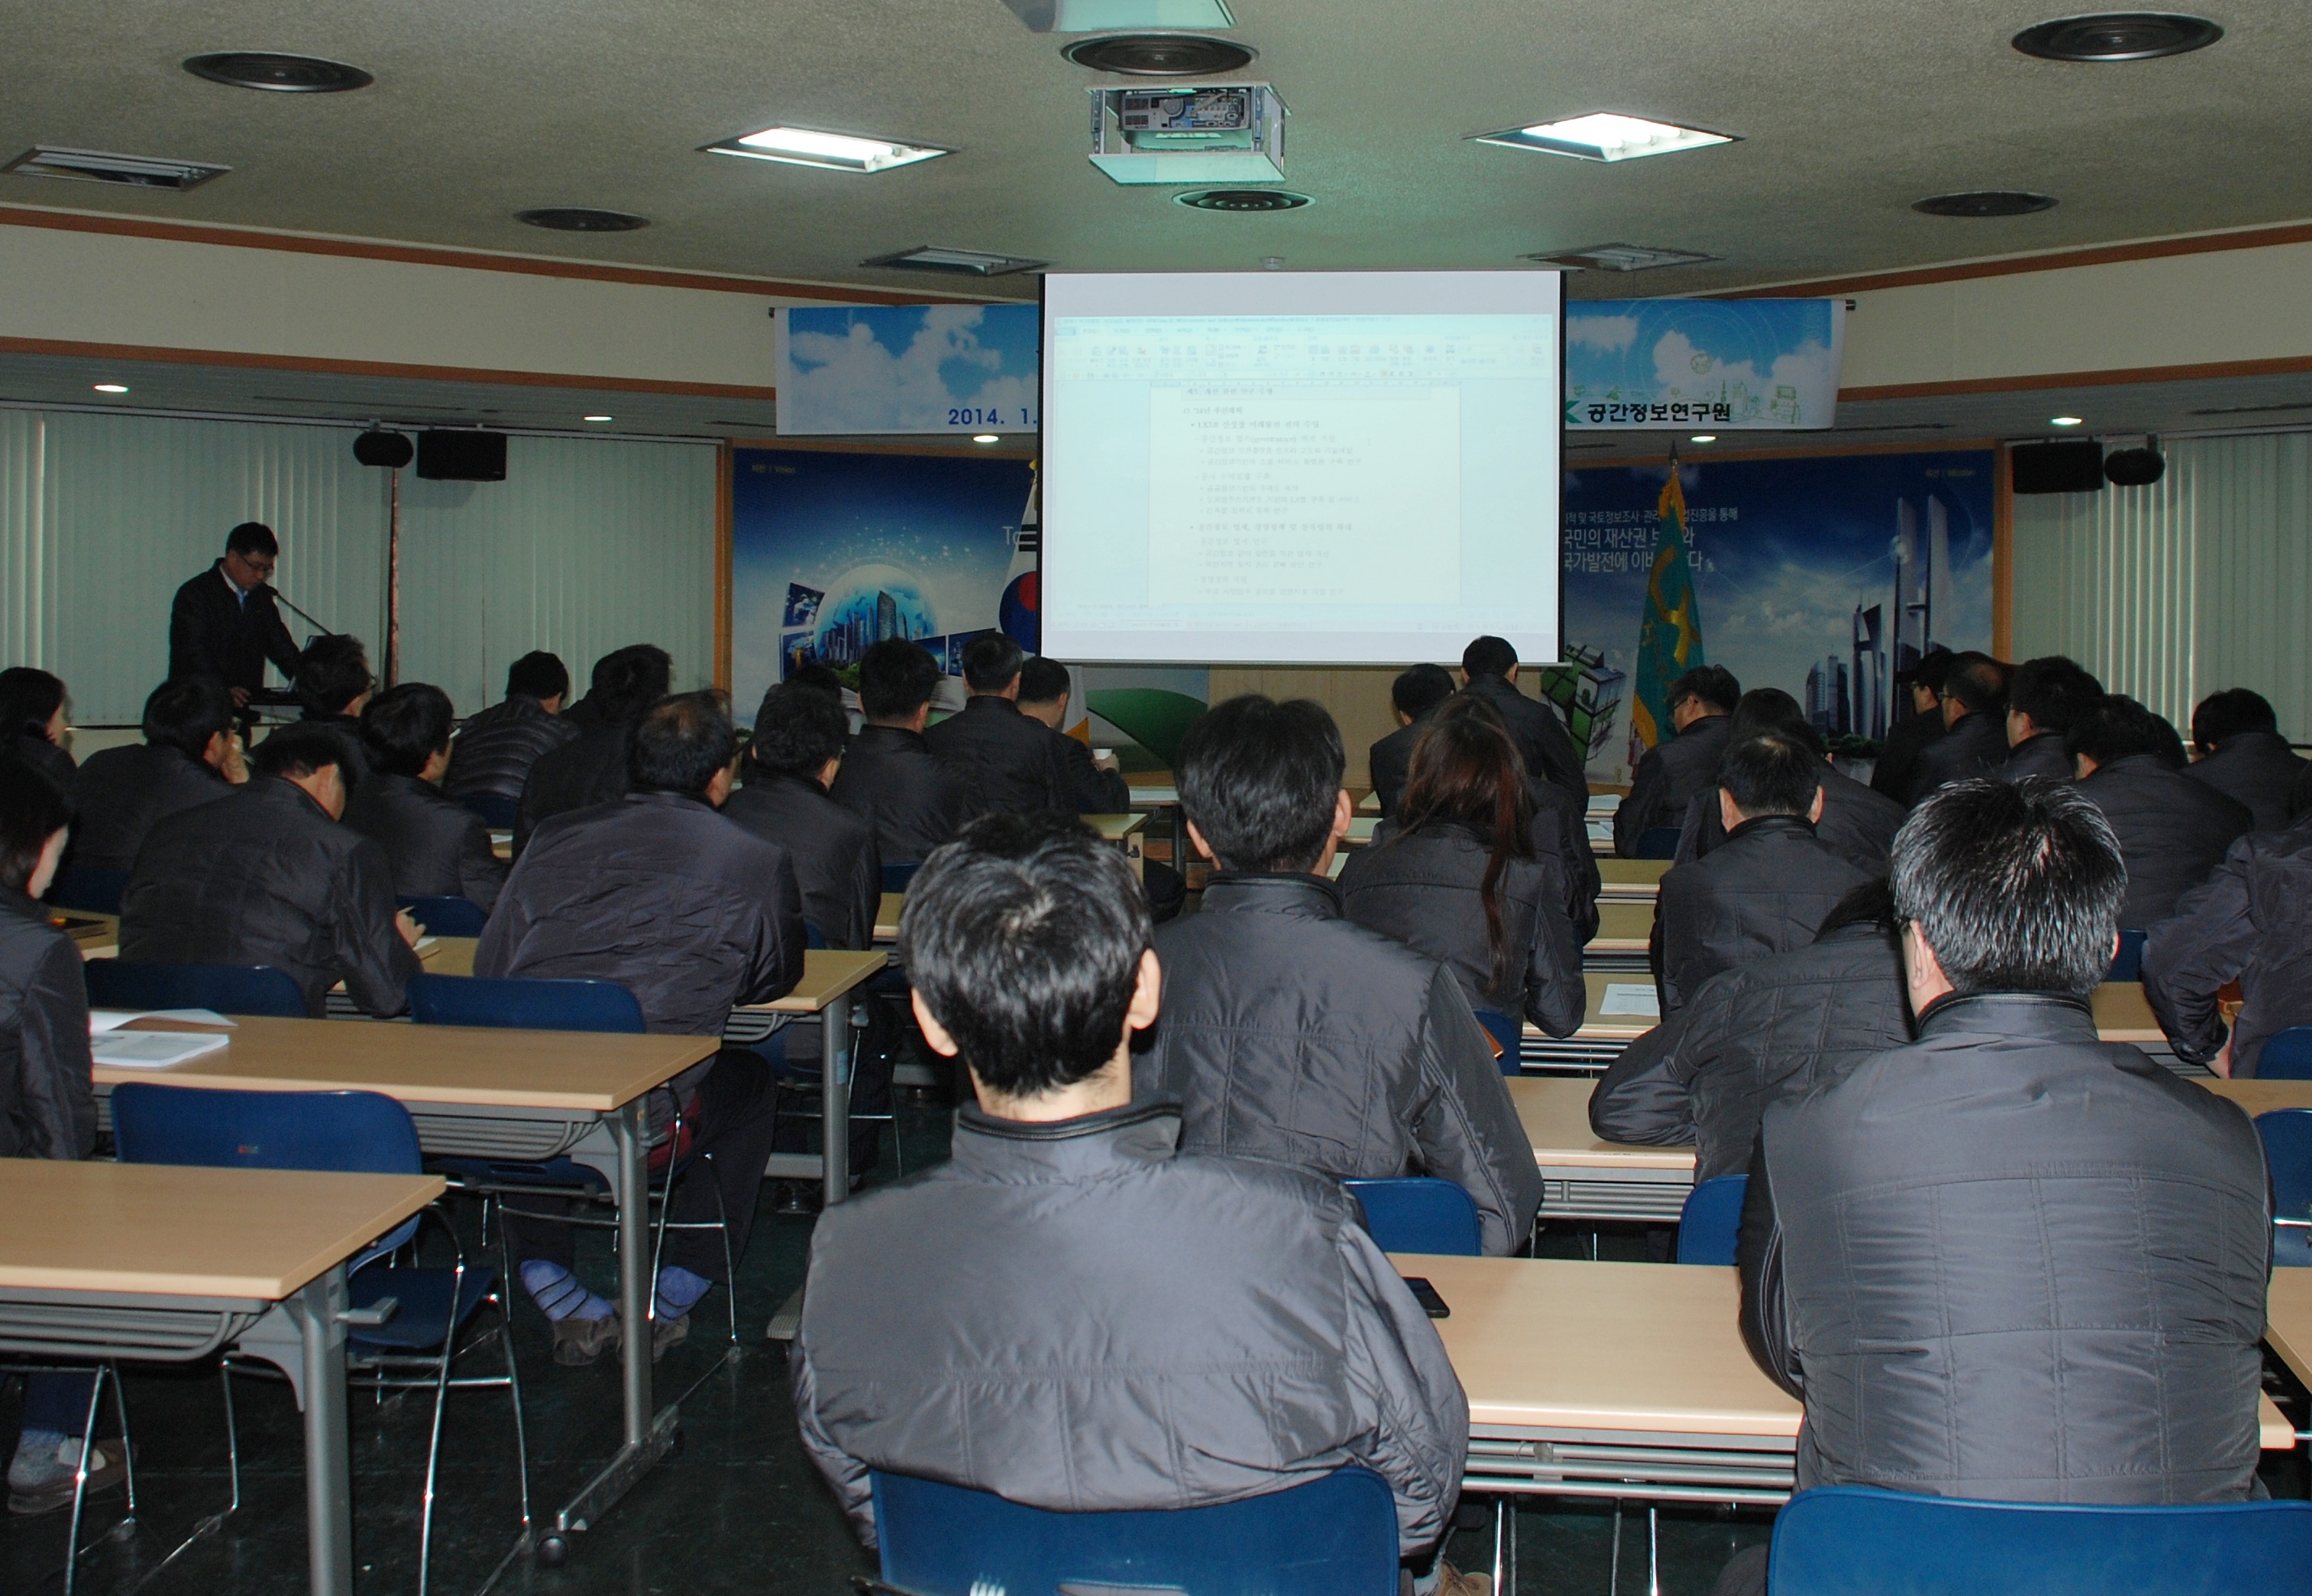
<point>1712,1220</point>
<point>447,917</point>
<point>1658,841</point>
<point>1846,1538</point>
<point>498,811</point>
<point>812,936</point>
<point>522,1005</point>
<point>897,877</point>
<point>2287,1134</point>
<point>2127,965</point>
<point>89,888</point>
<point>229,989</point>
<point>1510,1034</point>
<point>2286,1056</point>
<point>1335,1535</point>
<point>1418,1214</point>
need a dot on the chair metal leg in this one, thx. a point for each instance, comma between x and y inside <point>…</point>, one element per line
<point>80,1478</point>
<point>232,1435</point>
<point>1653,1550</point>
<point>503,1301</point>
<point>434,1441</point>
<point>730,1265</point>
<point>127,1450</point>
<point>1614,1568</point>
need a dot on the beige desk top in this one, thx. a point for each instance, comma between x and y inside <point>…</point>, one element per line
<point>450,956</point>
<point>1601,1027</point>
<point>2122,1015</point>
<point>1369,803</point>
<point>828,973</point>
<point>1625,926</point>
<point>887,916</point>
<point>189,1232</point>
<point>2261,1098</point>
<point>581,1070</point>
<point>1631,878</point>
<point>2287,1319</point>
<point>1360,830</point>
<point>1556,1113</point>
<point>1114,828</point>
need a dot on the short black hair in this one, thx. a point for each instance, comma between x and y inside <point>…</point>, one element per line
<point>304,748</point>
<point>404,727</point>
<point>30,698</point>
<point>537,675</point>
<point>1930,670</point>
<point>253,537</point>
<point>2016,888</point>
<point>1260,779</point>
<point>331,673</point>
<point>1713,685</point>
<point>32,809</point>
<point>1770,709</point>
<point>2230,712</point>
<point>1023,937</point>
<point>627,681</point>
<point>1042,681</point>
<point>1979,683</point>
<point>797,731</point>
<point>895,679</point>
<point>185,713</point>
<point>990,661</point>
<point>2054,691</point>
<point>822,677</point>
<point>1489,656</point>
<point>1770,773</point>
<point>680,743</point>
<point>1419,689</point>
<point>2118,727</point>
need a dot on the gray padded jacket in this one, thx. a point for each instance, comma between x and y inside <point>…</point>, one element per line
<point>2246,923</point>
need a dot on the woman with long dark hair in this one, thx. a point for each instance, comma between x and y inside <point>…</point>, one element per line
<point>32,721</point>
<point>1456,877</point>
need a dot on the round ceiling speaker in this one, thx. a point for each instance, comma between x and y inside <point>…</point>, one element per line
<point>389,450</point>
<point>283,75</point>
<point>1984,202</point>
<point>582,219</point>
<point>2118,36</point>
<point>1241,201</point>
<point>1159,55</point>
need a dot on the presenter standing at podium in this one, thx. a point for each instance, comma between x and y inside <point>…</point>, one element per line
<point>224,623</point>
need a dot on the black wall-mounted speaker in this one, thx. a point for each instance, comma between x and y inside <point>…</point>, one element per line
<point>2037,467</point>
<point>389,450</point>
<point>469,457</point>
<point>2135,467</point>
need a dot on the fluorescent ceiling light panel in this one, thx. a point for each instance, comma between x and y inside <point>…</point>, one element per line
<point>1620,258</point>
<point>833,151</point>
<point>932,258</point>
<point>97,166</point>
<point>1605,136</point>
<point>1113,16</point>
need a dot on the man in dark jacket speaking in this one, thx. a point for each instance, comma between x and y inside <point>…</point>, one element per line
<point>2010,1261</point>
<point>224,622</point>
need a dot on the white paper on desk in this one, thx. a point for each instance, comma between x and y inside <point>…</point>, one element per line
<point>1629,998</point>
<point>152,1050</point>
<point>426,944</point>
<point>101,1020</point>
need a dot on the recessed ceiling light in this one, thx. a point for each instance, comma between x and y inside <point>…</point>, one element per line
<point>1605,136</point>
<point>1620,258</point>
<point>1983,202</point>
<point>1704,438</point>
<point>931,257</point>
<point>111,388</point>
<point>1240,201</point>
<point>284,75</point>
<point>97,166</point>
<point>2065,421</point>
<point>2117,36</point>
<point>598,418</point>
<point>986,438</point>
<point>582,219</point>
<point>835,152</point>
<point>1159,55</point>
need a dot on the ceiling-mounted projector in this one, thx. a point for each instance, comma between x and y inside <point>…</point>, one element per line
<point>1109,16</point>
<point>1213,133</point>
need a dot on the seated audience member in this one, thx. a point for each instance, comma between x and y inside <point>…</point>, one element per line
<point>47,1106</point>
<point>438,847</point>
<point>1414,696</point>
<point>1899,750</point>
<point>1062,1313</point>
<point>2246,923</point>
<point>1684,765</point>
<point>693,915</point>
<point>496,747</point>
<point>2173,831</point>
<point>2011,1262</point>
<point>1561,825</point>
<point>2045,700</point>
<point>1455,877</point>
<point>1094,787</point>
<point>190,755</point>
<point>889,777</point>
<point>2236,749</point>
<point>333,683</point>
<point>1291,1033</point>
<point>267,875</point>
<point>994,748</point>
<point>1490,664</point>
<point>33,723</point>
<point>1775,1027</point>
<point>1975,727</point>
<point>792,757</point>
<point>1767,888</point>
<point>590,768</point>
<point>815,674</point>
<point>1858,823</point>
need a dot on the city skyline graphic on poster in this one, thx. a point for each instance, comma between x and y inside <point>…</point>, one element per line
<point>1820,576</point>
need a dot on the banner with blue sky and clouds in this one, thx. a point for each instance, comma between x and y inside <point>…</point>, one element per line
<point>890,369</point>
<point>1693,364</point>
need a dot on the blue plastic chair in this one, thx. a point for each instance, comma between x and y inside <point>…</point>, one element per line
<point>1335,1535</point>
<point>417,1344</point>
<point>1844,1539</point>
<point>228,989</point>
<point>2127,965</point>
<point>897,877</point>
<point>1711,1222</point>
<point>1418,1214</point>
<point>2287,1134</point>
<point>498,813</point>
<point>446,917</point>
<point>518,1005</point>
<point>1657,842</point>
<point>2286,1056</point>
<point>1510,1034</point>
<point>89,888</point>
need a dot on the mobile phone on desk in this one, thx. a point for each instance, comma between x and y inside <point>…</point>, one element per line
<point>1427,1295</point>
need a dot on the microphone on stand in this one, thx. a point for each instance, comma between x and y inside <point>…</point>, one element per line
<point>299,613</point>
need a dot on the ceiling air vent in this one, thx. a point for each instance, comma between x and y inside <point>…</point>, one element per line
<point>1984,202</point>
<point>2117,36</point>
<point>931,257</point>
<point>1159,55</point>
<point>283,75</point>
<point>1620,258</point>
<point>1242,200</point>
<point>580,219</point>
<point>95,166</point>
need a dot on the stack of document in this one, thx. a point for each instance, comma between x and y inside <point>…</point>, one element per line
<point>152,1049</point>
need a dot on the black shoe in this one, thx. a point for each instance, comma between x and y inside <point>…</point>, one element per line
<point>578,1342</point>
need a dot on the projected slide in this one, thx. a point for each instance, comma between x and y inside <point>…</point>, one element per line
<point>1340,467</point>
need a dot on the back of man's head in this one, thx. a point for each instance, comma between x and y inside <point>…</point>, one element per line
<point>2015,888</point>
<point>1713,686</point>
<point>331,673</point>
<point>1933,670</point>
<point>2228,713</point>
<point>404,727</point>
<point>2054,690</point>
<point>32,809</point>
<point>185,713</point>
<point>797,731</point>
<point>990,661</point>
<point>895,679</point>
<point>1770,773</point>
<point>680,743</point>
<point>1259,781</point>
<point>627,681</point>
<point>1979,683</point>
<point>1420,689</point>
<point>537,675</point>
<point>1042,681</point>
<point>1024,937</point>
<point>1489,656</point>
<point>822,677</point>
<point>2118,727</point>
<point>253,537</point>
<point>303,748</point>
<point>1770,709</point>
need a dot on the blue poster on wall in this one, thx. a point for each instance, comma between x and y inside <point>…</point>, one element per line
<point>832,551</point>
<point>1821,576</point>
<point>878,368</point>
<point>1690,364</point>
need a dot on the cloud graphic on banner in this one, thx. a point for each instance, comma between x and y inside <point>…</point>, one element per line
<point>905,369</point>
<point>1680,364</point>
<point>1604,333</point>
